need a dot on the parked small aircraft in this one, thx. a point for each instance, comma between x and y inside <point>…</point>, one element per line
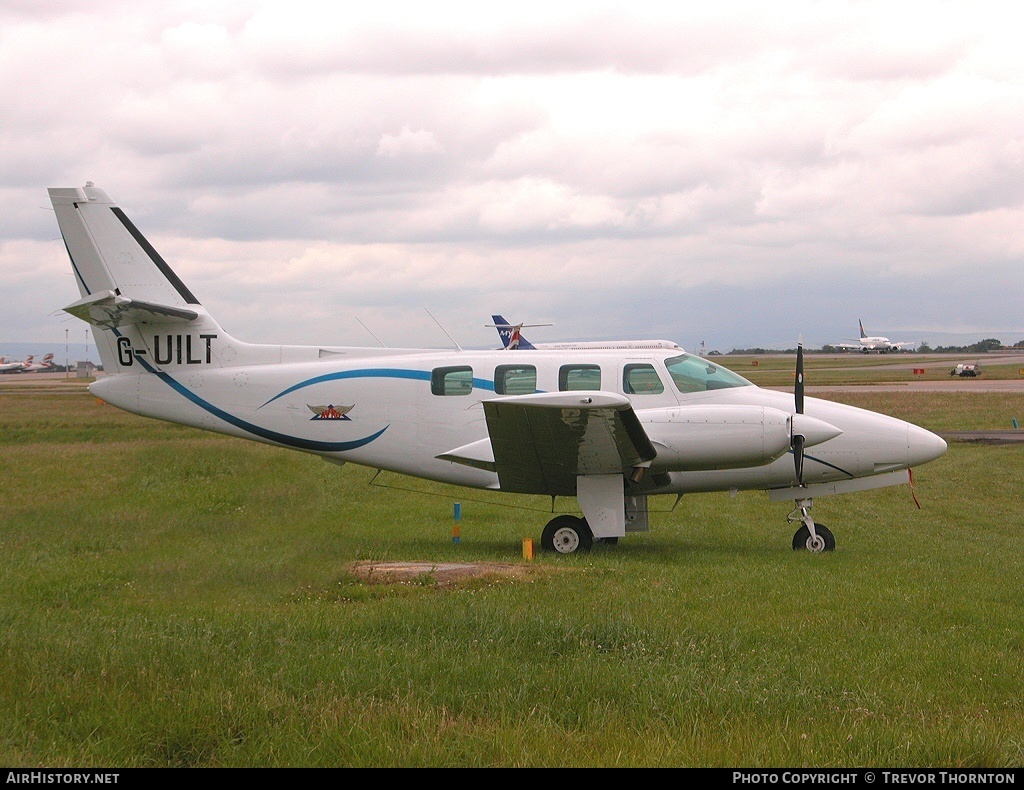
<point>609,426</point>
<point>867,344</point>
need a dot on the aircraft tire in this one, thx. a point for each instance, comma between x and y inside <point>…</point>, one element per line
<point>802,539</point>
<point>567,535</point>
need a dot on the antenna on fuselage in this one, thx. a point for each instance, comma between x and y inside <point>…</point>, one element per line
<point>364,326</point>
<point>444,330</point>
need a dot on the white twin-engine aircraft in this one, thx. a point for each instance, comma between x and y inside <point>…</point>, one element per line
<point>609,426</point>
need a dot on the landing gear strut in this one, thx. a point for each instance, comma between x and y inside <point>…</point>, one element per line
<point>810,536</point>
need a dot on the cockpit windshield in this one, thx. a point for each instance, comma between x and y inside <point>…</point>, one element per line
<point>695,374</point>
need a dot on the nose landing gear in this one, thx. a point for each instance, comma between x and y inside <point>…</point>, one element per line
<point>810,536</point>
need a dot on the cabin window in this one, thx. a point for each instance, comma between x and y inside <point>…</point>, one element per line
<point>694,374</point>
<point>579,377</point>
<point>515,380</point>
<point>452,381</point>
<point>641,379</point>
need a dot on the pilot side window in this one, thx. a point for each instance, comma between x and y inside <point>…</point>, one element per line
<point>452,381</point>
<point>695,374</point>
<point>579,377</point>
<point>515,380</point>
<point>641,379</point>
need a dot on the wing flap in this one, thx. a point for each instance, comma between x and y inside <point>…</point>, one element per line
<point>542,442</point>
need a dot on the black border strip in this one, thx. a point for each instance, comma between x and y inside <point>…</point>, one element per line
<point>161,264</point>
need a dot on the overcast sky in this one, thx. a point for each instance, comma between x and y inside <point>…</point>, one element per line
<point>742,174</point>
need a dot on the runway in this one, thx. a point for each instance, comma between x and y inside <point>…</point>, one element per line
<point>953,385</point>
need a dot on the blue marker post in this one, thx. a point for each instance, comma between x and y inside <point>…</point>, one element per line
<point>456,531</point>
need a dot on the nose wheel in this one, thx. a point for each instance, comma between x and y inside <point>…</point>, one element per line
<point>810,537</point>
<point>822,540</point>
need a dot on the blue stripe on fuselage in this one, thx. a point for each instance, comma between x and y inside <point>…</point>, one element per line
<point>373,373</point>
<point>257,430</point>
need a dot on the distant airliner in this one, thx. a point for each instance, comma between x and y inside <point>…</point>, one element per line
<point>31,366</point>
<point>867,344</point>
<point>512,339</point>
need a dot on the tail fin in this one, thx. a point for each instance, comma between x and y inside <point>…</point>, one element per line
<point>863,334</point>
<point>48,360</point>
<point>142,311</point>
<point>511,336</point>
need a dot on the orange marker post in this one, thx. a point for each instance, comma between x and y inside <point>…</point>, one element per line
<point>528,549</point>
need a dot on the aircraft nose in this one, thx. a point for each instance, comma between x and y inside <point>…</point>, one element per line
<point>923,446</point>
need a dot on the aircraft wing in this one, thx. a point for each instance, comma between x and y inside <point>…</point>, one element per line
<point>541,442</point>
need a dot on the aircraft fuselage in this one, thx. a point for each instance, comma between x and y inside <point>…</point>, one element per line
<point>400,410</point>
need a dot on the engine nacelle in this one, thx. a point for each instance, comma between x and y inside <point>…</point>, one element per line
<point>697,438</point>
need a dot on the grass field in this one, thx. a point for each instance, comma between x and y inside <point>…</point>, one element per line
<point>175,598</point>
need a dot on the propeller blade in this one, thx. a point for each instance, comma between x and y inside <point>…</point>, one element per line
<point>798,390</point>
<point>798,440</point>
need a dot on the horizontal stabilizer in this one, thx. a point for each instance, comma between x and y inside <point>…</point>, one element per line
<point>543,442</point>
<point>479,455</point>
<point>110,310</point>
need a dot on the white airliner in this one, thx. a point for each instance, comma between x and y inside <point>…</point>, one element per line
<point>609,426</point>
<point>31,366</point>
<point>866,344</point>
<point>512,339</point>
<point>10,367</point>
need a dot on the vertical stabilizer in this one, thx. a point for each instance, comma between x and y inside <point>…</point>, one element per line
<point>510,334</point>
<point>146,319</point>
<point>145,316</point>
<point>109,253</point>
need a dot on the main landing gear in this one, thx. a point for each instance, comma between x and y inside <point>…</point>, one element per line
<point>566,535</point>
<point>810,536</point>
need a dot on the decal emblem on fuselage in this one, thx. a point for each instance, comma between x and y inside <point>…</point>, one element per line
<point>330,412</point>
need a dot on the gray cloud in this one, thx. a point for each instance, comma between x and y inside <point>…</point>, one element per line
<point>737,174</point>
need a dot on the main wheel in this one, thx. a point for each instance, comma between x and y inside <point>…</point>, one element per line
<point>566,535</point>
<point>803,540</point>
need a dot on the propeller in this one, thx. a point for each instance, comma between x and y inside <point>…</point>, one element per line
<point>798,440</point>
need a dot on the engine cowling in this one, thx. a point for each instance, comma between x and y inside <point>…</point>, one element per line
<point>697,438</point>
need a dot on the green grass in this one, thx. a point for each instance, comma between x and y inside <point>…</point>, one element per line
<point>943,411</point>
<point>175,598</point>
